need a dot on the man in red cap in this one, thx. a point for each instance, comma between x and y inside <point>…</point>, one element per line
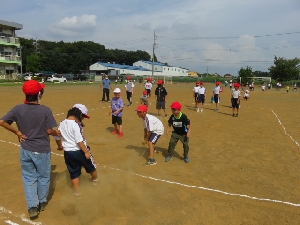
<point>153,129</point>
<point>129,90</point>
<point>161,94</point>
<point>216,94</point>
<point>236,93</point>
<point>181,131</point>
<point>35,123</point>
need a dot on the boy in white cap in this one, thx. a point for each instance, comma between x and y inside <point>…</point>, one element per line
<point>153,129</point>
<point>117,106</point>
<point>76,152</point>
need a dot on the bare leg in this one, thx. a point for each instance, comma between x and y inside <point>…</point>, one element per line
<point>75,184</point>
<point>151,150</point>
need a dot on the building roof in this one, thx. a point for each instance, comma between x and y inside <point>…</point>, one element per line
<point>119,66</point>
<point>154,63</point>
<point>18,26</point>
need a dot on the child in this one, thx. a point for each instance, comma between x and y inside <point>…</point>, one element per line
<point>153,129</point>
<point>129,90</point>
<point>181,131</point>
<point>201,96</point>
<point>295,87</point>
<point>161,94</point>
<point>117,106</point>
<point>195,94</point>
<point>263,87</point>
<point>216,93</point>
<point>287,88</point>
<point>143,98</point>
<point>77,154</point>
<point>236,100</point>
<point>246,95</point>
<point>148,86</point>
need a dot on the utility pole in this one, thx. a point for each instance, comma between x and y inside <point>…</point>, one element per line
<point>154,46</point>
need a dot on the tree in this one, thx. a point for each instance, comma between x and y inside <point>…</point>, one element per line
<point>285,69</point>
<point>244,74</point>
<point>33,63</point>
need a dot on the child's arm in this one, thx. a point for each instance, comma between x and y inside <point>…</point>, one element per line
<point>58,142</point>
<point>84,149</point>
<point>168,129</point>
<point>189,130</point>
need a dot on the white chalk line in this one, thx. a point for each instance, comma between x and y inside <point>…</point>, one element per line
<point>286,133</point>
<point>22,217</point>
<point>193,186</point>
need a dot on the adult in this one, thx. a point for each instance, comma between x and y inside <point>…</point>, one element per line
<point>105,86</point>
<point>35,123</point>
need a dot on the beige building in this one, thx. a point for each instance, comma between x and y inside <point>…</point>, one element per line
<point>10,49</point>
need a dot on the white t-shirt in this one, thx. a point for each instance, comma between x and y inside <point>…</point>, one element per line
<point>201,91</point>
<point>71,133</point>
<point>153,124</point>
<point>236,93</point>
<point>148,85</point>
<point>263,87</point>
<point>217,90</point>
<point>246,95</point>
<point>196,88</point>
<point>129,86</point>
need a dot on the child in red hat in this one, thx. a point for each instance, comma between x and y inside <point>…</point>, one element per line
<point>201,96</point>
<point>195,93</point>
<point>181,131</point>
<point>161,94</point>
<point>216,94</point>
<point>153,129</point>
<point>143,98</point>
<point>236,93</point>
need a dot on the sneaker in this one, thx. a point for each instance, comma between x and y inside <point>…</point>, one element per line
<point>201,110</point>
<point>42,206</point>
<point>187,160</point>
<point>102,101</point>
<point>115,132</point>
<point>216,109</point>
<point>108,101</point>
<point>33,212</point>
<point>120,134</point>
<point>236,115</point>
<point>151,162</point>
<point>198,110</point>
<point>233,115</point>
<point>76,194</point>
<point>95,182</point>
<point>168,158</point>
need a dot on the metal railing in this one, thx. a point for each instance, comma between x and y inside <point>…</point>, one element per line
<point>10,40</point>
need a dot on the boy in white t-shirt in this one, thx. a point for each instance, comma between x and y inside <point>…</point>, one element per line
<point>76,153</point>
<point>201,96</point>
<point>195,93</point>
<point>216,94</point>
<point>129,90</point>
<point>153,129</point>
<point>246,95</point>
<point>236,93</point>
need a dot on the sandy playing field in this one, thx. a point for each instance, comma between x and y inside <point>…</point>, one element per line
<point>243,170</point>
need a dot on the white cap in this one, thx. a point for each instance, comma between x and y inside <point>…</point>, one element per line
<point>117,90</point>
<point>83,110</point>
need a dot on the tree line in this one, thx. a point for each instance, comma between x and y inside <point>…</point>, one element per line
<point>66,57</point>
<point>282,70</point>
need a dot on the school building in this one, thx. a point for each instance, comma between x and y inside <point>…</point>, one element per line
<point>10,49</point>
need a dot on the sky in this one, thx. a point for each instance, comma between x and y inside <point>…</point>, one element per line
<point>214,36</point>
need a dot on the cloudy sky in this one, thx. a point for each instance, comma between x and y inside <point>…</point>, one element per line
<point>218,36</point>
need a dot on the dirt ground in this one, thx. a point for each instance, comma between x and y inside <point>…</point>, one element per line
<point>243,170</point>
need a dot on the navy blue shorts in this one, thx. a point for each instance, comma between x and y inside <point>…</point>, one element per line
<point>160,105</point>
<point>201,98</point>
<point>216,98</point>
<point>148,91</point>
<point>235,103</point>
<point>154,138</point>
<point>116,120</point>
<point>75,160</point>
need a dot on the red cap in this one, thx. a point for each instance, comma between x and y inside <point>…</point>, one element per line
<point>217,82</point>
<point>142,108</point>
<point>32,87</point>
<point>176,105</point>
<point>236,85</point>
<point>128,77</point>
<point>197,82</point>
<point>201,83</point>
<point>145,92</point>
<point>159,82</point>
<point>148,78</point>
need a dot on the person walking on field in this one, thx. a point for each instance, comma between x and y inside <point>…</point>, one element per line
<point>148,87</point>
<point>216,94</point>
<point>105,86</point>
<point>195,94</point>
<point>129,90</point>
<point>181,131</point>
<point>76,152</point>
<point>153,129</point>
<point>161,95</point>
<point>201,96</point>
<point>117,106</point>
<point>35,123</point>
<point>236,94</point>
<point>295,87</point>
